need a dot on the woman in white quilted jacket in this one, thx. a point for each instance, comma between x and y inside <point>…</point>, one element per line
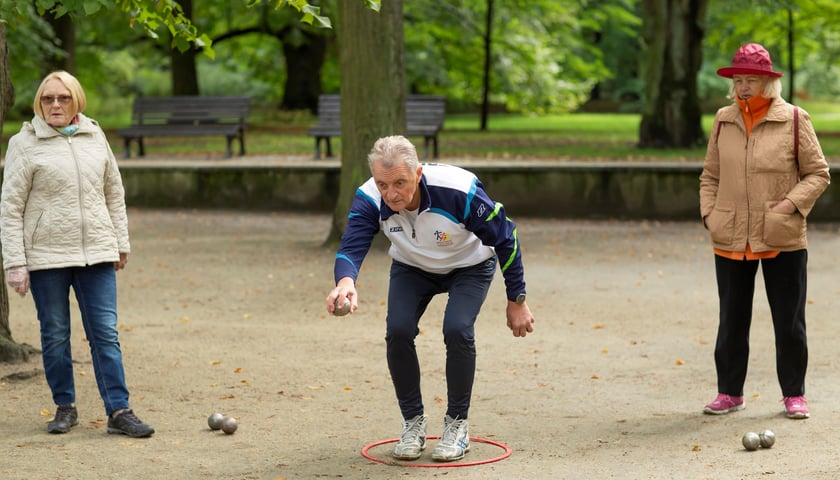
<point>64,225</point>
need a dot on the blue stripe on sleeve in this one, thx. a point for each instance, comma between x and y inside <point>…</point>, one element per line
<point>367,197</point>
<point>340,256</point>
<point>470,196</point>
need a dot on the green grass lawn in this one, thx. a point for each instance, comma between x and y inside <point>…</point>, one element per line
<point>575,136</point>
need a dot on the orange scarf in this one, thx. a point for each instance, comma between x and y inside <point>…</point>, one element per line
<point>753,110</point>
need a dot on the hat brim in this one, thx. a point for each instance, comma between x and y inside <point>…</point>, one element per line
<point>728,72</point>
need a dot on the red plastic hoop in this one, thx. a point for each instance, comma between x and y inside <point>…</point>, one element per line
<point>507,451</point>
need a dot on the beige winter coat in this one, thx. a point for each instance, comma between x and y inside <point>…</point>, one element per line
<point>744,177</point>
<point>63,202</point>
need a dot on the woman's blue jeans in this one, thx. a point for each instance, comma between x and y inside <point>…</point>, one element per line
<point>96,291</point>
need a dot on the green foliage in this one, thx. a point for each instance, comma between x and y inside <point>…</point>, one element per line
<point>311,14</point>
<point>543,59</point>
<point>547,56</point>
<point>816,39</point>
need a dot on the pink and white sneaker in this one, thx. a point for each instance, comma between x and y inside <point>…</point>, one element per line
<point>724,404</point>
<point>796,407</point>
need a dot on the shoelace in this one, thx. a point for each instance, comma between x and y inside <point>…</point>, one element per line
<point>130,417</point>
<point>412,430</point>
<point>64,412</point>
<point>450,433</point>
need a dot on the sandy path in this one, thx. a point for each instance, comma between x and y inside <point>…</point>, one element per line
<point>222,311</point>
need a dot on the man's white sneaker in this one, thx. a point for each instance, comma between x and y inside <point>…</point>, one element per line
<point>413,439</point>
<point>455,441</point>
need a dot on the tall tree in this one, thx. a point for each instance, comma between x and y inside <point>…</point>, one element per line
<point>10,351</point>
<point>372,92</point>
<point>303,47</point>
<point>65,33</point>
<point>488,58</point>
<point>305,54</point>
<point>672,57</point>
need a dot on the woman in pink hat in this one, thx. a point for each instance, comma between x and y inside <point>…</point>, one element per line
<point>763,172</point>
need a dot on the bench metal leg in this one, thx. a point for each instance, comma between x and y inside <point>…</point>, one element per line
<point>317,148</point>
<point>329,148</point>
<point>127,143</point>
<point>141,149</point>
<point>435,146</point>
<point>241,144</point>
<point>228,150</point>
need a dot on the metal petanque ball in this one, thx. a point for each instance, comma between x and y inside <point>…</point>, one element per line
<point>751,441</point>
<point>229,425</point>
<point>214,421</point>
<point>767,438</point>
<point>341,311</point>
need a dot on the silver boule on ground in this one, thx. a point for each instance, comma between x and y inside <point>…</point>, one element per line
<point>751,441</point>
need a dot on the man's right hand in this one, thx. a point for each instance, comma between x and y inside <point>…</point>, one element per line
<point>344,289</point>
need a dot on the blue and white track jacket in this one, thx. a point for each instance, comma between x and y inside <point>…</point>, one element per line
<point>458,225</point>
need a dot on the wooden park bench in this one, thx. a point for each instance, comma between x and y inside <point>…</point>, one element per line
<point>187,116</point>
<point>424,118</point>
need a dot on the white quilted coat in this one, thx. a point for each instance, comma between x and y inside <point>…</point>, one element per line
<point>63,202</point>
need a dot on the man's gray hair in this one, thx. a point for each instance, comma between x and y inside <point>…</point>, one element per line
<point>392,151</point>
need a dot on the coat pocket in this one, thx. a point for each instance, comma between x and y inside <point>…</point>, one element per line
<point>721,223</point>
<point>783,229</point>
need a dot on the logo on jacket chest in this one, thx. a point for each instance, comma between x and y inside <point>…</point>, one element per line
<point>442,238</point>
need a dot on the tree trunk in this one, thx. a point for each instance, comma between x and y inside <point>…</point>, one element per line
<point>65,32</point>
<point>488,58</point>
<point>303,78</point>
<point>9,350</point>
<point>372,70</point>
<point>673,36</point>
<point>184,75</point>
<point>182,64</point>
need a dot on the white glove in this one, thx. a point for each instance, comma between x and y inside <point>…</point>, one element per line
<point>18,279</point>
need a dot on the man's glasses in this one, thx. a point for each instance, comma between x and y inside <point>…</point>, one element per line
<point>61,99</point>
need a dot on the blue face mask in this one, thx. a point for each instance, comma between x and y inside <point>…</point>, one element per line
<point>68,130</point>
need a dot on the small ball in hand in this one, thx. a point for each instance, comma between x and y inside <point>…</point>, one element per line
<point>341,310</point>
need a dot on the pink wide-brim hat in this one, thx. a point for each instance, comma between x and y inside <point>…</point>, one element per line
<point>750,59</point>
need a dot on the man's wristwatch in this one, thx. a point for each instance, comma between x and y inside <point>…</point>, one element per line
<point>520,299</point>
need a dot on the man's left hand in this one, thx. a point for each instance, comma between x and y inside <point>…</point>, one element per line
<point>520,320</point>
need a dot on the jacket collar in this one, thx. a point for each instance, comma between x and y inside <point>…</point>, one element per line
<point>44,130</point>
<point>385,211</point>
<point>779,111</point>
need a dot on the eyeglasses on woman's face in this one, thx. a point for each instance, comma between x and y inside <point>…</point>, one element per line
<point>63,100</point>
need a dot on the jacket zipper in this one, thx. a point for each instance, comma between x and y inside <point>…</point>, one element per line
<point>746,171</point>
<point>81,199</point>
